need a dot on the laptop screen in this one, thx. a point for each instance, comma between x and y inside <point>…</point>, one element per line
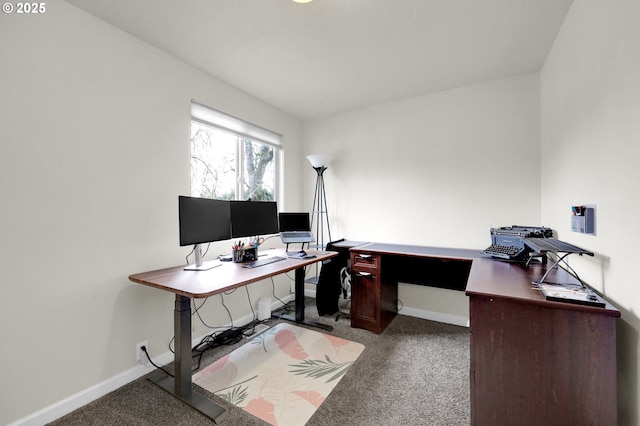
<point>294,222</point>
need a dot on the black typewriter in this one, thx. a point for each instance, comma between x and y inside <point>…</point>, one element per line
<point>508,243</point>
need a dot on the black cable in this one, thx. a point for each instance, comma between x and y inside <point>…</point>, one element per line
<point>273,288</point>
<point>253,313</point>
<point>228,312</point>
<point>197,312</point>
<point>144,349</point>
<point>194,249</point>
<point>197,308</point>
<point>186,258</point>
<point>214,340</point>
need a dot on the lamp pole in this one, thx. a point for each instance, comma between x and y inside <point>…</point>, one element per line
<point>320,215</point>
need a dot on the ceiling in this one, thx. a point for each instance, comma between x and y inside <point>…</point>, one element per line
<point>329,56</point>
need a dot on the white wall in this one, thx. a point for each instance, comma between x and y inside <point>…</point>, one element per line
<point>590,89</point>
<point>94,129</point>
<point>437,170</point>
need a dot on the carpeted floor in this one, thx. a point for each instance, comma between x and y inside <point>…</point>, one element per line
<point>415,373</point>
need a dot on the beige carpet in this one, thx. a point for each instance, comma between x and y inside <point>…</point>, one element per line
<point>283,375</point>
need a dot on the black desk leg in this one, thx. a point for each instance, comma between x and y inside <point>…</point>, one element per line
<point>299,298</point>
<point>181,385</point>
<point>299,276</point>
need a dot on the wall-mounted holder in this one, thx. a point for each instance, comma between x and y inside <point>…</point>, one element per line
<point>583,219</point>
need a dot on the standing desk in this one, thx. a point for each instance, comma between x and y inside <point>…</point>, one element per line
<point>202,284</point>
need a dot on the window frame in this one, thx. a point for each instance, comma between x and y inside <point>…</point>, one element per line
<point>243,131</point>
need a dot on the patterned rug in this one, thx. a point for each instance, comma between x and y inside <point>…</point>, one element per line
<point>283,375</point>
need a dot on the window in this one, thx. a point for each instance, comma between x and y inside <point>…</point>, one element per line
<point>232,159</point>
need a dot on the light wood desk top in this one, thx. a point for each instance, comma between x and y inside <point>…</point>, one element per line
<point>227,276</point>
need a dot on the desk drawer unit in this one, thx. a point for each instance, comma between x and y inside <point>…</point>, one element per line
<point>373,301</point>
<point>363,261</point>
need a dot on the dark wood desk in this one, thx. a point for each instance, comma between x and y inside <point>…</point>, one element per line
<point>201,284</point>
<point>377,269</point>
<point>533,361</point>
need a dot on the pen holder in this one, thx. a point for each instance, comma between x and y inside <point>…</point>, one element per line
<point>245,254</point>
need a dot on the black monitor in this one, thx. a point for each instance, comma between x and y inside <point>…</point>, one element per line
<point>253,218</point>
<point>203,220</point>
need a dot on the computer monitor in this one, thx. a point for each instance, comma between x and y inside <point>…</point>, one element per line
<point>203,220</point>
<point>253,218</point>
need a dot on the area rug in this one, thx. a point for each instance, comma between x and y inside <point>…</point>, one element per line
<point>283,375</point>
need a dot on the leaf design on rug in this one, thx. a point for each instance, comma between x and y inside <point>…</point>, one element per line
<point>218,375</point>
<point>235,395</point>
<point>288,343</point>
<point>219,364</point>
<point>261,339</point>
<point>317,368</point>
<point>262,409</point>
<point>336,341</point>
<point>313,397</point>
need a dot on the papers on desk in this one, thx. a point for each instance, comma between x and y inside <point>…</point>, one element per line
<point>571,294</point>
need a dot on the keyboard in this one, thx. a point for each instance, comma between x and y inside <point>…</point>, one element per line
<point>504,252</point>
<point>262,262</point>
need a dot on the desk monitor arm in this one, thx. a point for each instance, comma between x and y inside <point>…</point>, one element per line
<point>200,265</point>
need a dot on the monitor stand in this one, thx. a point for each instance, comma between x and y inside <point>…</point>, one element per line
<point>200,265</point>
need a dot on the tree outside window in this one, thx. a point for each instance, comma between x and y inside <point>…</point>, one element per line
<point>229,166</point>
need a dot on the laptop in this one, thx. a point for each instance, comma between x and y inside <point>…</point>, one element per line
<point>295,228</point>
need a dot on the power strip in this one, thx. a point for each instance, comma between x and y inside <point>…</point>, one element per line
<point>228,336</point>
<point>260,328</point>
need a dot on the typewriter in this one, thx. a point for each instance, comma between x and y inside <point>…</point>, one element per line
<point>507,242</point>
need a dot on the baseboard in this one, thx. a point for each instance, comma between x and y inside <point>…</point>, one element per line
<point>75,401</point>
<point>435,316</point>
<point>419,313</point>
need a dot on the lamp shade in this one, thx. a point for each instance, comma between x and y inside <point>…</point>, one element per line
<point>319,160</point>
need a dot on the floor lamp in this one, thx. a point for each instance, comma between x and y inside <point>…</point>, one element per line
<point>319,214</point>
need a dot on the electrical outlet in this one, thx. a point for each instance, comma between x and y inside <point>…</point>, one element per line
<point>292,288</point>
<point>141,357</point>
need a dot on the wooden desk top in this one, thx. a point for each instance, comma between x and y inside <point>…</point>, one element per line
<point>227,276</point>
<point>492,277</point>
<point>495,278</point>
<point>419,251</point>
